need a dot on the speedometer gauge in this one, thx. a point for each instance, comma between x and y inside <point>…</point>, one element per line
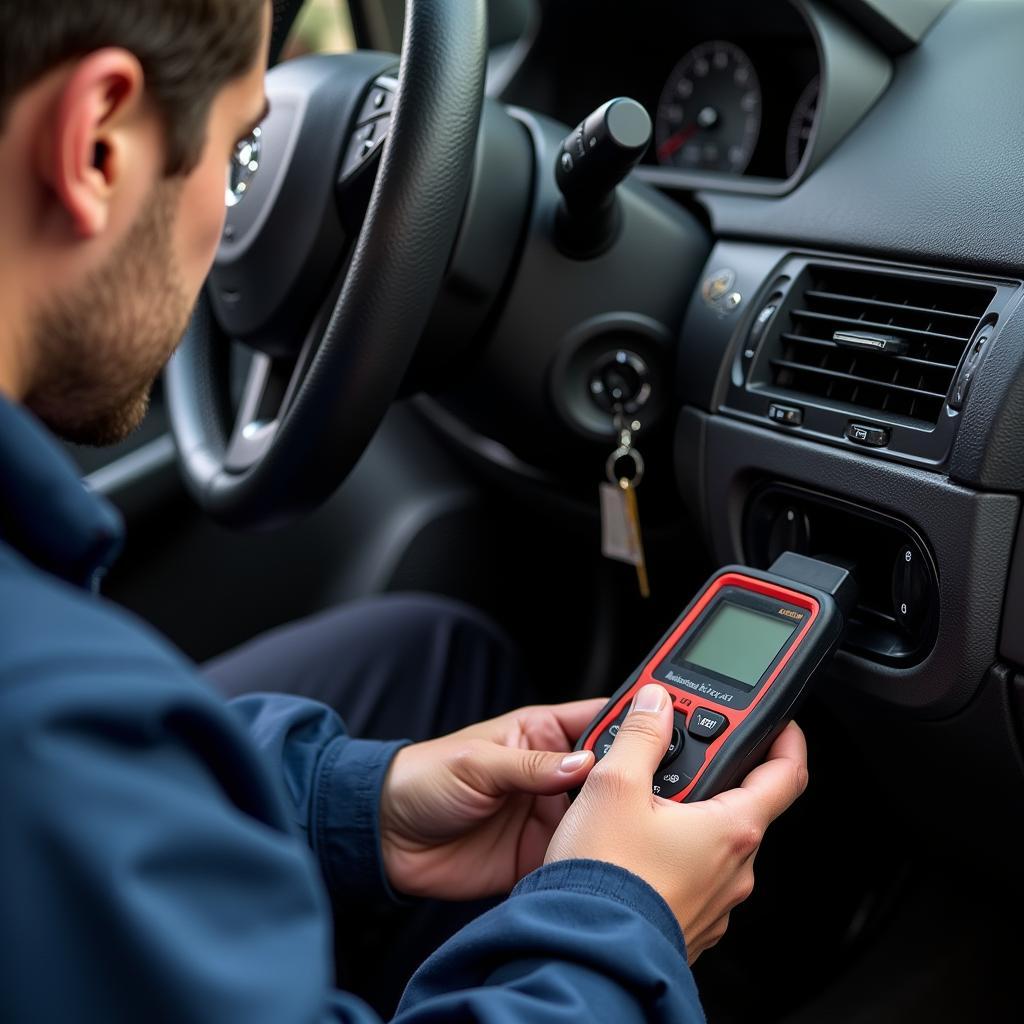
<point>709,114</point>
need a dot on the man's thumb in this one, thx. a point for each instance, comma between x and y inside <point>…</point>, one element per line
<point>644,735</point>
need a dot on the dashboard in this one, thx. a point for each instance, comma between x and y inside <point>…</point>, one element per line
<point>833,341</point>
<point>825,287</point>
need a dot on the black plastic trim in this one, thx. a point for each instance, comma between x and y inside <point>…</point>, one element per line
<point>712,372</point>
<point>1011,642</point>
<point>970,534</point>
<point>868,633</point>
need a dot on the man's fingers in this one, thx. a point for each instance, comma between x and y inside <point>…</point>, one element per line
<point>644,736</point>
<point>575,716</point>
<point>497,770</point>
<point>776,783</point>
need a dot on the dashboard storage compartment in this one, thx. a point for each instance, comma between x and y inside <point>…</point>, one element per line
<point>897,616</point>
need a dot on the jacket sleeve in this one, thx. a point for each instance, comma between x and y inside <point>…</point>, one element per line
<point>573,935</point>
<point>156,879</point>
<point>332,785</point>
<point>157,864</point>
<point>576,940</point>
<point>150,873</point>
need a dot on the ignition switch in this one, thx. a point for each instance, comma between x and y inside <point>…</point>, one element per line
<point>620,378</point>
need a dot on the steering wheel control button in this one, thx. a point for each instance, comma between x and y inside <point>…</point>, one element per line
<point>867,435</point>
<point>365,141</point>
<point>380,101</point>
<point>243,167</point>
<point>787,415</point>
<point>706,724</point>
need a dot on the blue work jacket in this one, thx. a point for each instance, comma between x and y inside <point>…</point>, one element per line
<point>167,856</point>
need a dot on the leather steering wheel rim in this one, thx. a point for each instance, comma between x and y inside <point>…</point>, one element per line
<point>395,270</point>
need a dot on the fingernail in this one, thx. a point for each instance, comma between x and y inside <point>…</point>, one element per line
<point>650,698</point>
<point>574,762</point>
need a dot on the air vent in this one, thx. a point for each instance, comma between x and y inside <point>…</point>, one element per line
<point>905,336</point>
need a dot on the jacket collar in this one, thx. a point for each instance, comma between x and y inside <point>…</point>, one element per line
<point>46,511</point>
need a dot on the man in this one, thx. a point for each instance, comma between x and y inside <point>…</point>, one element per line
<point>167,855</point>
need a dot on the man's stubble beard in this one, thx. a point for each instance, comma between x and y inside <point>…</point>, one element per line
<point>100,348</point>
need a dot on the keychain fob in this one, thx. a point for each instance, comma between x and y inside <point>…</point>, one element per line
<point>736,665</point>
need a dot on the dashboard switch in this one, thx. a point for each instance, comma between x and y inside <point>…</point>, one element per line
<point>867,435</point>
<point>910,588</point>
<point>787,415</point>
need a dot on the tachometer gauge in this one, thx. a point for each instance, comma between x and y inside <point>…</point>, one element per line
<point>801,124</point>
<point>709,114</point>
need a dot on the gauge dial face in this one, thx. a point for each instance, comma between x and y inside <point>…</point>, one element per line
<point>709,114</point>
<point>801,124</point>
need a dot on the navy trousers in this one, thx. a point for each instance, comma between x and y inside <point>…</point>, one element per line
<point>400,666</point>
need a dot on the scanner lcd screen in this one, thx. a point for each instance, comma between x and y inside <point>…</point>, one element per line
<point>738,643</point>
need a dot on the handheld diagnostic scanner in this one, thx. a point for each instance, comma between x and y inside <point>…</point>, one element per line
<point>736,664</point>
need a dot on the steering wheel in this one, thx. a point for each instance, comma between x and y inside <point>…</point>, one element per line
<point>334,250</point>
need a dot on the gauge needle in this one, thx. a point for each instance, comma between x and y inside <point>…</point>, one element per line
<point>675,142</point>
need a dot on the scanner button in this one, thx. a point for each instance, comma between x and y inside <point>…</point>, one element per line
<point>675,745</point>
<point>669,782</point>
<point>603,743</point>
<point>706,724</point>
<point>676,742</point>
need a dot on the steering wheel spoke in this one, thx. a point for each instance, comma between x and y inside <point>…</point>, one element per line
<point>331,262</point>
<point>258,413</point>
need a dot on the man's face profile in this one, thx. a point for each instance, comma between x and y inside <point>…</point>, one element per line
<point>111,299</point>
<point>103,342</point>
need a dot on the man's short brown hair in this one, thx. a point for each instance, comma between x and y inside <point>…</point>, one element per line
<point>188,49</point>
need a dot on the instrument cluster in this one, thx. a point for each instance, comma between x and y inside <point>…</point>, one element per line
<point>732,87</point>
<point>717,111</point>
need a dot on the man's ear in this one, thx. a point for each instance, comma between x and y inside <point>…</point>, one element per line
<point>86,154</point>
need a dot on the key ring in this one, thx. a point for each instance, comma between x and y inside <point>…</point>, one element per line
<point>625,452</point>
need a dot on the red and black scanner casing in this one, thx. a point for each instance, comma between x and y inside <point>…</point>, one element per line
<point>724,726</point>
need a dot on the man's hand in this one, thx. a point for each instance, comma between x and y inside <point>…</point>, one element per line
<point>469,814</point>
<point>698,856</point>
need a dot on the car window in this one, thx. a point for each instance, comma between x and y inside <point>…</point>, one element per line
<point>323,26</point>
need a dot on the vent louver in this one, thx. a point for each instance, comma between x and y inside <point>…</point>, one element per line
<point>930,320</point>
